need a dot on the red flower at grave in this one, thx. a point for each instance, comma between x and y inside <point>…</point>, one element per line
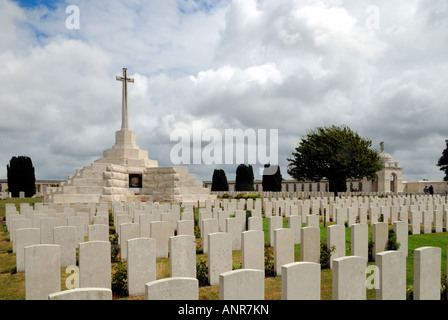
<point>118,256</point>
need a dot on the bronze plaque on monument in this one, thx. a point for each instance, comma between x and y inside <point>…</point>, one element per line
<point>135,180</point>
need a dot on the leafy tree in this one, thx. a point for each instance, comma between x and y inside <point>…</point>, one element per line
<point>272,181</point>
<point>244,180</point>
<point>335,153</point>
<point>219,181</point>
<point>443,162</point>
<point>20,173</point>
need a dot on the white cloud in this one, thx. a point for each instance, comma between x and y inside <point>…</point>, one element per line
<point>289,65</point>
<point>10,16</point>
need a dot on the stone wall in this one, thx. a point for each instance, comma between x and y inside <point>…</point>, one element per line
<point>440,187</point>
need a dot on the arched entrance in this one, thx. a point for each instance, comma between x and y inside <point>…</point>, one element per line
<point>393,182</point>
<point>375,184</point>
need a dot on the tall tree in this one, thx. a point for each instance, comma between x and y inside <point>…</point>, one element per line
<point>244,180</point>
<point>443,162</point>
<point>20,174</point>
<point>335,153</point>
<point>219,181</point>
<point>272,178</point>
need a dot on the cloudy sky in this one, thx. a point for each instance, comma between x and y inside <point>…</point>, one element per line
<point>379,67</point>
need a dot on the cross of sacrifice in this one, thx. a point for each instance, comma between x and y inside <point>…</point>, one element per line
<point>124,115</point>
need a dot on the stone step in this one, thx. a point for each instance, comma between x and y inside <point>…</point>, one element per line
<point>87,182</point>
<point>197,197</point>
<point>195,190</point>
<point>90,189</point>
<point>73,198</point>
<point>190,184</point>
<point>117,183</point>
<point>90,174</point>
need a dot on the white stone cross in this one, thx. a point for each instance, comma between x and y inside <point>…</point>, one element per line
<point>124,115</point>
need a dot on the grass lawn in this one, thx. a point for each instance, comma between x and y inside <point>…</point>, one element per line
<point>12,285</point>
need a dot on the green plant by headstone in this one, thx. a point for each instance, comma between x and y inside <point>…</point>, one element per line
<point>392,243</point>
<point>120,278</point>
<point>269,261</point>
<point>325,254</point>
<point>111,218</point>
<point>114,248</point>
<point>202,272</point>
<point>370,251</point>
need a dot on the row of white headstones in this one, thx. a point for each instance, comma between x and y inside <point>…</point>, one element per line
<point>155,231</point>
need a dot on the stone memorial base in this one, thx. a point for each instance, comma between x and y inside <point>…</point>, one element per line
<point>125,173</point>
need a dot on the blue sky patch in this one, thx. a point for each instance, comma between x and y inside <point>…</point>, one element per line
<point>50,4</point>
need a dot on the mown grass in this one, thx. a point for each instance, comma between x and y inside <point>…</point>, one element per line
<point>12,285</point>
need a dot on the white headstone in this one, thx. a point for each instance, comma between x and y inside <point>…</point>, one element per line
<point>252,249</point>
<point>401,230</point>
<point>219,256</point>
<point>208,226</point>
<point>295,224</point>
<point>185,228</point>
<point>65,237</point>
<point>380,235</point>
<point>349,278</point>
<point>392,275</point>
<point>98,232</point>
<point>243,284</point>
<point>172,289</point>
<point>301,281</point>
<point>310,244</point>
<point>18,224</point>
<point>283,248</point>
<point>46,230</point>
<point>427,265</point>
<point>141,264</point>
<point>234,229</point>
<point>336,241</point>
<point>82,294</point>
<point>255,223</point>
<point>127,231</point>
<point>360,240</point>
<point>25,237</point>
<point>159,231</point>
<point>77,222</point>
<point>183,256</point>
<point>275,222</point>
<point>42,271</point>
<point>95,264</point>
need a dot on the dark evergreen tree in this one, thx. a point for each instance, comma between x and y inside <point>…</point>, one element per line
<point>272,178</point>
<point>244,180</point>
<point>20,174</point>
<point>443,162</point>
<point>219,181</point>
